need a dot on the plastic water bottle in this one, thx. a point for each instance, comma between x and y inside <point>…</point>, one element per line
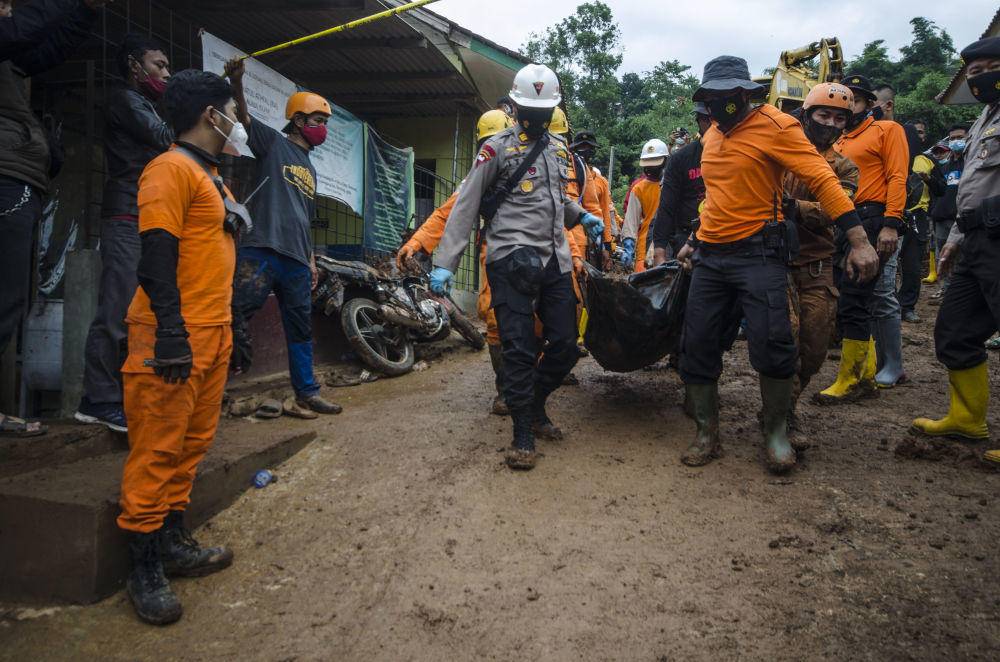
<point>263,478</point>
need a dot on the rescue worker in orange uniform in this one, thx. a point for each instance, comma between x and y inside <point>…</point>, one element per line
<point>179,341</point>
<point>643,202</point>
<point>428,236</point>
<point>826,110</point>
<point>740,253</point>
<point>880,151</point>
<point>596,195</point>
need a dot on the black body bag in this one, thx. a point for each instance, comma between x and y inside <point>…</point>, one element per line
<point>634,323</point>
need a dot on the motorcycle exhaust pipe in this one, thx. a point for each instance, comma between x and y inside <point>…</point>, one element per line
<point>395,316</point>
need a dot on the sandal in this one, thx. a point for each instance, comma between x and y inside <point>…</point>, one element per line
<point>269,408</point>
<point>292,408</point>
<point>11,426</point>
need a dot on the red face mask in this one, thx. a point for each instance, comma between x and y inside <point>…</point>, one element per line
<point>153,87</point>
<point>314,135</point>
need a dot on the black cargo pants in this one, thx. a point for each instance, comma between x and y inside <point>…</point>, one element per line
<point>555,304</point>
<point>726,277</point>
<point>970,312</point>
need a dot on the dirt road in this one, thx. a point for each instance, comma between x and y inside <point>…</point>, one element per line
<point>399,535</point>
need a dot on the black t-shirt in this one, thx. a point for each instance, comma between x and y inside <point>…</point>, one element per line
<point>681,193</point>
<point>283,209</point>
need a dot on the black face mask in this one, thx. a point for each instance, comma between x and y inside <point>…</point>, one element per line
<point>986,86</point>
<point>877,113</point>
<point>856,119</point>
<point>821,136</point>
<point>586,153</point>
<point>653,172</point>
<point>727,110</point>
<point>534,121</point>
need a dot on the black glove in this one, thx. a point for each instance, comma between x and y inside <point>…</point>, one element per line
<point>172,355</point>
<point>242,357</point>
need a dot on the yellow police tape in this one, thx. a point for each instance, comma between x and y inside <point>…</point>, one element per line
<point>341,28</point>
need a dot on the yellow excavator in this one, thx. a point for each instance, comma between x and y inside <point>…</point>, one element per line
<point>796,74</point>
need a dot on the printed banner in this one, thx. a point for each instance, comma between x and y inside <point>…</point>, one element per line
<point>339,161</point>
<point>389,199</point>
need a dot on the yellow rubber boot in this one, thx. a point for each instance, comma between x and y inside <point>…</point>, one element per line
<point>851,381</point>
<point>966,419</point>
<point>871,364</point>
<point>932,270</point>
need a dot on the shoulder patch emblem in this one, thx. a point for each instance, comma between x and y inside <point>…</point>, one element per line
<point>485,154</point>
<point>527,186</point>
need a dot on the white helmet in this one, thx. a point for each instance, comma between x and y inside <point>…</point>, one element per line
<point>536,86</point>
<point>654,153</point>
<point>597,171</point>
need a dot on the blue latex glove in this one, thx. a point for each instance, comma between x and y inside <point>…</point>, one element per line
<point>441,280</point>
<point>593,225</point>
<point>628,252</point>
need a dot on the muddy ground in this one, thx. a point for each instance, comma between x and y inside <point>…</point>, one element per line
<point>399,535</point>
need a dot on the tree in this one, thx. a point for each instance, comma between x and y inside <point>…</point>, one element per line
<point>924,70</point>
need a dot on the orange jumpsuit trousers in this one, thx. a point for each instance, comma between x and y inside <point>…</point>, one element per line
<point>170,426</point>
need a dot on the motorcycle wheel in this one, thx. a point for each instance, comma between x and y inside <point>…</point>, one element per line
<point>466,329</point>
<point>384,347</point>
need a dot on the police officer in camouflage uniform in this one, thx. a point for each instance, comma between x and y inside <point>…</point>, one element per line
<point>529,265</point>
<point>970,313</point>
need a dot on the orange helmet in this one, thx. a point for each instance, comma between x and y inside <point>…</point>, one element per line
<point>830,95</point>
<point>306,103</point>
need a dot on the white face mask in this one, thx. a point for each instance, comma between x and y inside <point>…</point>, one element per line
<point>236,141</point>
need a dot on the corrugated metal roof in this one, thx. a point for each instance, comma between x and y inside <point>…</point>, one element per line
<point>382,69</point>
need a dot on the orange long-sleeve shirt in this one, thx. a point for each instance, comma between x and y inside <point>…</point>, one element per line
<point>880,151</point>
<point>743,172</point>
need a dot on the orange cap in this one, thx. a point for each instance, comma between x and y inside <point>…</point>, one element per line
<point>306,103</point>
<point>830,95</point>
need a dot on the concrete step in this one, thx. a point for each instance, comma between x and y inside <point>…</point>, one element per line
<point>66,441</point>
<point>58,537</point>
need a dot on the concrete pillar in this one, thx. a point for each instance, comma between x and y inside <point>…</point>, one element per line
<point>80,287</point>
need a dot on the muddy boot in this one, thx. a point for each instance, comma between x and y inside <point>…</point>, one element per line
<point>688,405</point>
<point>183,556</point>
<point>147,585</point>
<point>499,407</point>
<point>542,426</point>
<point>521,456</point>
<point>776,394</point>
<point>318,404</point>
<point>855,377</point>
<point>969,391</point>
<point>706,447</point>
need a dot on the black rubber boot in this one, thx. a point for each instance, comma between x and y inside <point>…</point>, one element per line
<point>183,556</point>
<point>776,394</point>
<point>704,399</point>
<point>521,455</point>
<point>499,407</point>
<point>542,425</point>
<point>147,585</point>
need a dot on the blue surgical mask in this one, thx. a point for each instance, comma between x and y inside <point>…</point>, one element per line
<point>957,145</point>
<point>944,161</point>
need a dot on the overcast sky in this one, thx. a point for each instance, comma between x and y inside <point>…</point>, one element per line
<point>696,31</point>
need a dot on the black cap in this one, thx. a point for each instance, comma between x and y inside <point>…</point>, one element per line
<point>700,108</point>
<point>584,137</point>
<point>724,74</point>
<point>989,47</point>
<point>860,83</point>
